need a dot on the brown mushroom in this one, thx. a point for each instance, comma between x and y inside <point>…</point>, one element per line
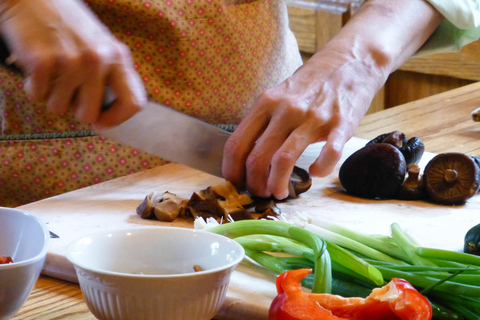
<point>263,205</point>
<point>169,207</point>
<point>395,138</point>
<point>145,209</point>
<point>412,188</point>
<point>374,171</point>
<point>300,182</point>
<point>412,149</point>
<point>165,207</point>
<point>228,192</point>
<point>451,178</point>
<point>199,206</point>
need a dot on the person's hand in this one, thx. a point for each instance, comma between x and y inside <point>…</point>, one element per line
<point>68,58</point>
<point>324,100</point>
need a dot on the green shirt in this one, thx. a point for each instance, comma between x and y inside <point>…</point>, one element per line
<point>460,27</point>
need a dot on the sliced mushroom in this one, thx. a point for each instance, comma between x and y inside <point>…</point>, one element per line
<point>199,206</point>
<point>451,178</point>
<point>269,214</point>
<point>374,171</point>
<point>412,188</point>
<point>145,209</point>
<point>228,191</point>
<point>169,207</point>
<point>300,182</point>
<point>165,207</point>
<point>263,205</point>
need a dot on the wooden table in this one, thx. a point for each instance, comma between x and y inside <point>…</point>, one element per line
<point>442,121</point>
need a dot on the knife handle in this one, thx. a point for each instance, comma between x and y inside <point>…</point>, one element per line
<point>108,98</point>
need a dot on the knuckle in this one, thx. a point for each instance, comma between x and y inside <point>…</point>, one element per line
<point>92,59</point>
<point>283,160</point>
<point>40,61</point>
<point>334,150</point>
<point>120,52</point>
<point>67,61</point>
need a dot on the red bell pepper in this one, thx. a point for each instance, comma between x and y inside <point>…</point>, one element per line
<point>398,300</point>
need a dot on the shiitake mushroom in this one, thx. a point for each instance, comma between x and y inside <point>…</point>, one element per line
<point>413,187</point>
<point>300,182</point>
<point>412,149</point>
<point>374,171</point>
<point>452,178</point>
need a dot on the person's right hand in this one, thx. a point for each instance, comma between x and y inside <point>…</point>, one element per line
<point>69,58</point>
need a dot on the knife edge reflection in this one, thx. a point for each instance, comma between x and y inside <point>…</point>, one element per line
<point>173,136</point>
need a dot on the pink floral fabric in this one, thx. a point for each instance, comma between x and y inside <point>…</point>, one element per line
<point>206,58</point>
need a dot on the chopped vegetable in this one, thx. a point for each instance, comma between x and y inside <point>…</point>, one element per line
<point>397,300</point>
<point>357,263</point>
<point>5,260</point>
<point>323,282</point>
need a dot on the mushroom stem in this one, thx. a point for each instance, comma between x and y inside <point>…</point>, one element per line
<point>451,175</point>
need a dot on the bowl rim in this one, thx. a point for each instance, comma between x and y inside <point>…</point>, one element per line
<point>42,254</point>
<point>75,263</point>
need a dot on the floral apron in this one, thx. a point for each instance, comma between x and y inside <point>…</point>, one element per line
<point>206,58</point>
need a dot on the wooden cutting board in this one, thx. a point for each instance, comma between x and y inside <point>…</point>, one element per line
<point>112,205</point>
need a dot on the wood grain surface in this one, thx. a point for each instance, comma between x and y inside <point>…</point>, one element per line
<point>442,121</point>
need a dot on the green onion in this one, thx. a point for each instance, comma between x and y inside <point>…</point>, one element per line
<point>382,243</point>
<point>424,282</point>
<point>458,257</point>
<point>407,246</point>
<point>323,271</point>
<point>351,244</point>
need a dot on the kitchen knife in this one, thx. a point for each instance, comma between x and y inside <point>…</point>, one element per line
<point>164,132</point>
<point>173,136</point>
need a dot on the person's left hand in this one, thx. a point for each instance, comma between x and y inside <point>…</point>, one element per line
<point>324,100</point>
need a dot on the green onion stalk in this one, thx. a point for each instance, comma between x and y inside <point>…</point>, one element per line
<point>322,270</point>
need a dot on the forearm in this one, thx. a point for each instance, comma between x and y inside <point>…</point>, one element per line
<point>382,35</point>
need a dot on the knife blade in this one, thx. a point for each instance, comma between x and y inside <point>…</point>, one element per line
<point>173,136</point>
<point>163,132</point>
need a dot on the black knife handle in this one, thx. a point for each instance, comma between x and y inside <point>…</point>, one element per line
<point>108,98</point>
<point>4,55</point>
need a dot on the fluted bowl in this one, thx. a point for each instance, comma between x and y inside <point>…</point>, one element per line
<point>145,273</point>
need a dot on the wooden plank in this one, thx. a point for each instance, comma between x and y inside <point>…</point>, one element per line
<point>464,64</point>
<point>404,86</point>
<point>303,26</point>
<point>327,26</point>
<point>442,121</point>
<point>314,28</point>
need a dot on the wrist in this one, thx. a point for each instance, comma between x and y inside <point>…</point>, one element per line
<point>357,62</point>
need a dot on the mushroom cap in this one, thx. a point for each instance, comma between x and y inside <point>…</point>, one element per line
<point>451,178</point>
<point>374,171</point>
<point>300,182</point>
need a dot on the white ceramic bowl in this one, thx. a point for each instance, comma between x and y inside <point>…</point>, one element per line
<point>147,272</point>
<point>24,237</point>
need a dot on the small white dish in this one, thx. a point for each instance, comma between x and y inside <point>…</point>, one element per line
<point>24,237</point>
<point>147,272</point>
